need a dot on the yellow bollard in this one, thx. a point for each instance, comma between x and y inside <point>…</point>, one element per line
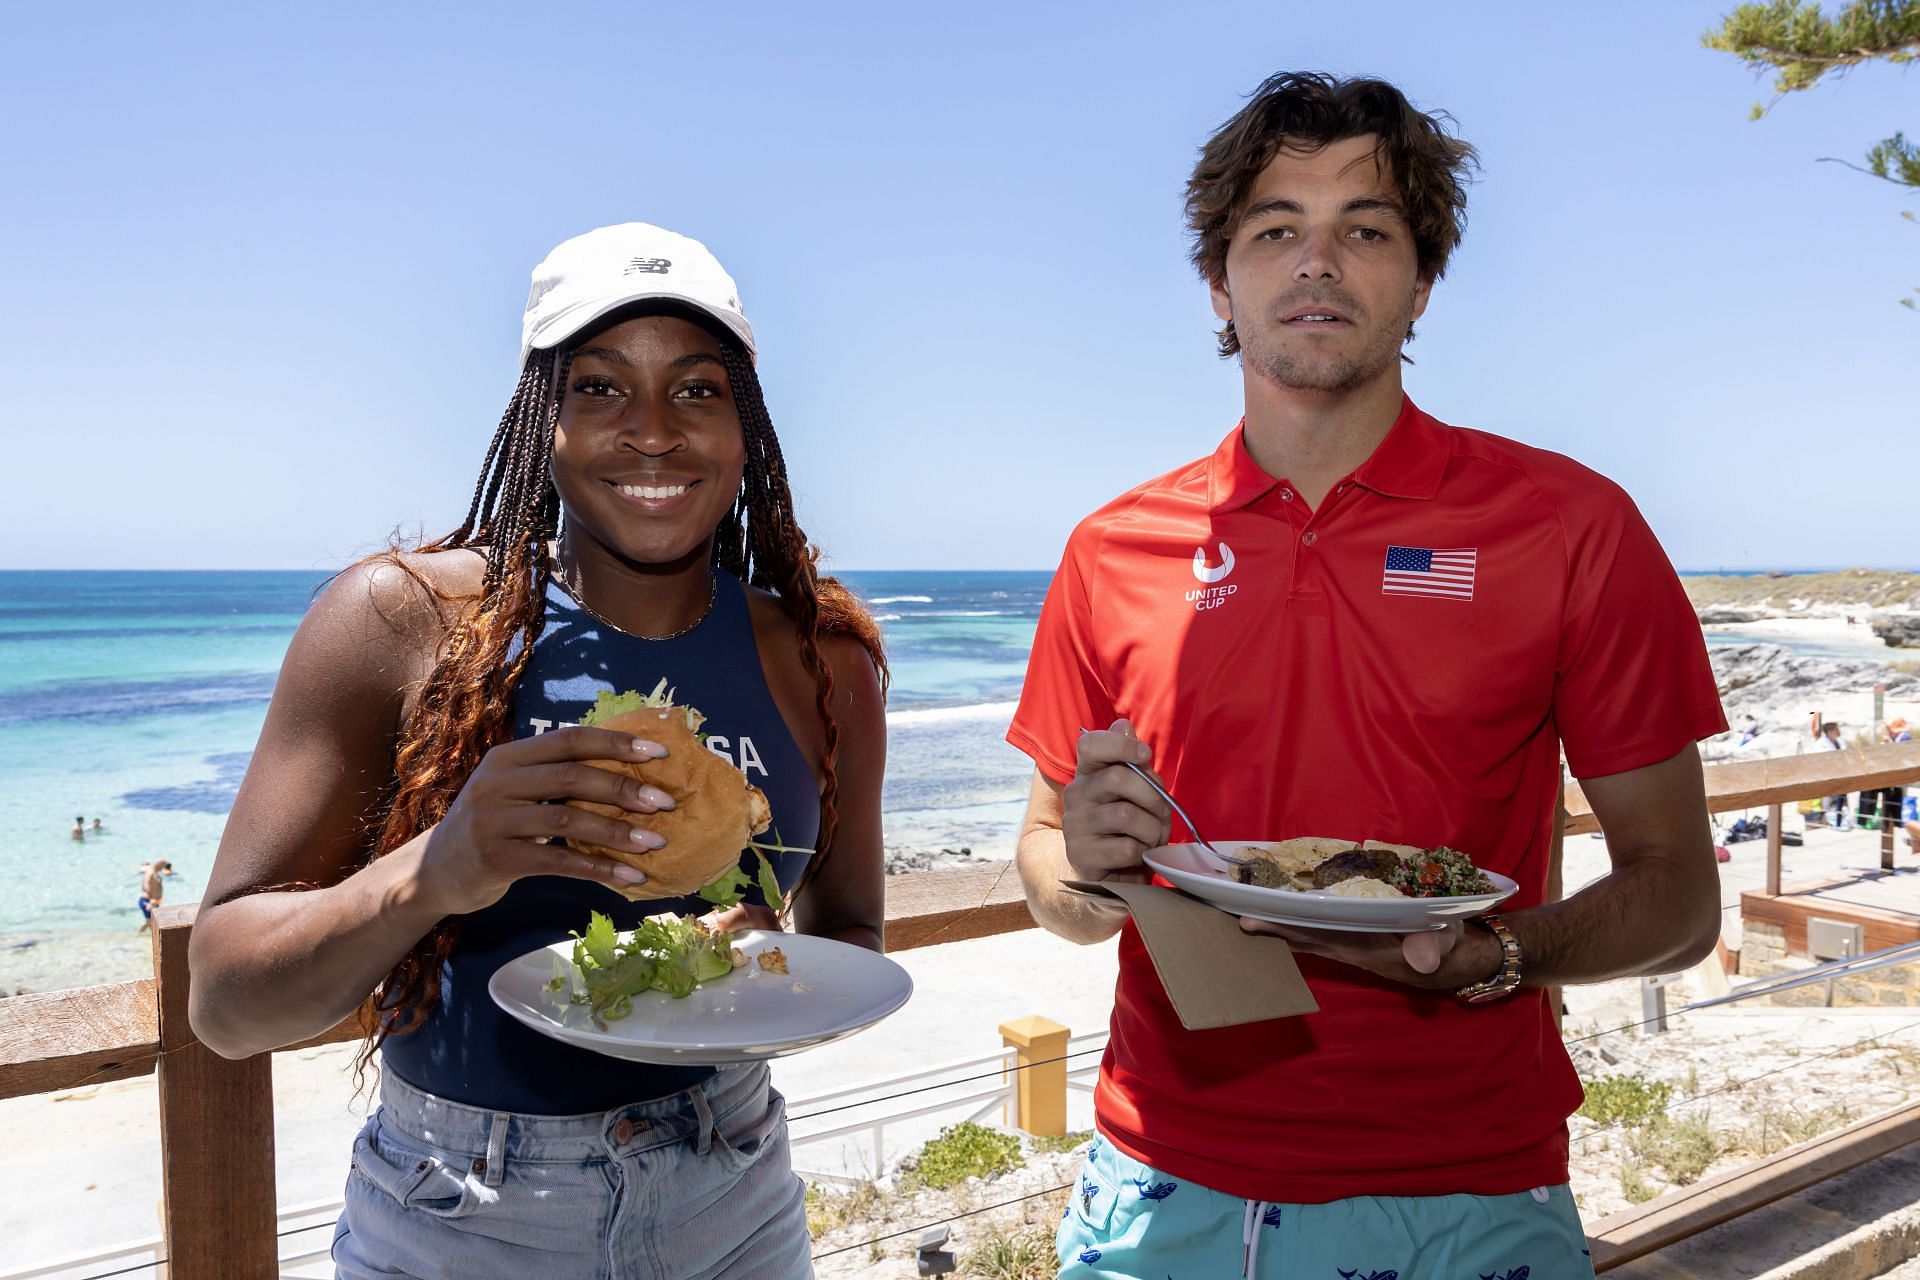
<point>1040,1087</point>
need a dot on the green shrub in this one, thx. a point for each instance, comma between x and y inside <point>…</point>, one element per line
<point>1776,1130</point>
<point>1018,1253</point>
<point>963,1151</point>
<point>1624,1099</point>
<point>1055,1143</point>
<point>1634,1185</point>
<point>829,1208</point>
<point>1684,1148</point>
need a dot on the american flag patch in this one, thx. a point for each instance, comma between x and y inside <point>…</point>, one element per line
<point>1422,571</point>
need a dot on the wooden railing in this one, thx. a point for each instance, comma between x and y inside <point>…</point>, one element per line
<point>216,1116</point>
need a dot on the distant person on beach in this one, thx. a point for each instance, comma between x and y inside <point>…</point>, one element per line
<point>1883,804</point>
<point>1834,807</point>
<point>1354,620</point>
<point>1752,731</point>
<point>632,527</point>
<point>152,889</point>
<point>97,828</point>
<point>80,829</point>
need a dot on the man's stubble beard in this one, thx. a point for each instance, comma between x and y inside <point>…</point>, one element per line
<point>1335,375</point>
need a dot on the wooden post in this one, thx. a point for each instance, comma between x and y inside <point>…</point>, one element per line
<point>1773,850</point>
<point>216,1135</point>
<point>1040,1088</point>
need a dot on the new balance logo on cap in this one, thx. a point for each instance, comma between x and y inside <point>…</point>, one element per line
<point>593,275</point>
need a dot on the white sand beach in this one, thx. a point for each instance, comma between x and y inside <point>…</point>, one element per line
<point>1842,629</point>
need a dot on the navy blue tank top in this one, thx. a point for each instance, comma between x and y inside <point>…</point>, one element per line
<point>471,1052</point>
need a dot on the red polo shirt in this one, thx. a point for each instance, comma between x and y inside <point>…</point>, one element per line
<point>1406,663</point>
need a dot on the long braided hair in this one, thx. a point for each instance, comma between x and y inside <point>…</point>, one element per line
<point>463,708</point>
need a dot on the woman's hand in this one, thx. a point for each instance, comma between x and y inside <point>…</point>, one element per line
<point>742,916</point>
<point>494,832</point>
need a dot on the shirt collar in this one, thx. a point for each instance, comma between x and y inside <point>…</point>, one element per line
<point>1234,479</point>
<point>1409,463</point>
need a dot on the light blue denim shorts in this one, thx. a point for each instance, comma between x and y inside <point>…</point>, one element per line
<point>1129,1220</point>
<point>697,1184</point>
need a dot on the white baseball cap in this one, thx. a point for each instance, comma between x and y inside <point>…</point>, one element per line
<point>590,275</point>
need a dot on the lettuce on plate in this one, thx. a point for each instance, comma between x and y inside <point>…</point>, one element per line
<point>666,953</point>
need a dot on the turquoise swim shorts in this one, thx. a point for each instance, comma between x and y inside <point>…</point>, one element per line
<point>1127,1220</point>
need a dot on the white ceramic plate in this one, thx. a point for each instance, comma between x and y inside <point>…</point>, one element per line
<point>831,989</point>
<point>1189,867</point>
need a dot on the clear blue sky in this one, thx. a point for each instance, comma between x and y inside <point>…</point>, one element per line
<point>265,266</point>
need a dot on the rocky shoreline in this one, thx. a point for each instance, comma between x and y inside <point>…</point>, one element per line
<point>1858,614</point>
<point>1776,687</point>
<point>902,859</point>
<point>1886,601</point>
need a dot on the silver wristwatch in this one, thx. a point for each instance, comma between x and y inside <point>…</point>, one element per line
<point>1507,980</point>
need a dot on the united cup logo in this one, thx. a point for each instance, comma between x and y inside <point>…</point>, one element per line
<point>1210,595</point>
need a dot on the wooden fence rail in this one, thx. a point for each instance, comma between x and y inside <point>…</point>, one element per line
<point>216,1116</point>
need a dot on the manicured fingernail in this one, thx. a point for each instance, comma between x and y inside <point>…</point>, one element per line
<point>651,750</point>
<point>1141,751</point>
<point>646,839</point>
<point>629,875</point>
<point>656,797</point>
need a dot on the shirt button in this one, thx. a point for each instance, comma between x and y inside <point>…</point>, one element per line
<point>1286,495</point>
<point>1309,537</point>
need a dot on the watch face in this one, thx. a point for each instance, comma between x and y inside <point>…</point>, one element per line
<point>1488,997</point>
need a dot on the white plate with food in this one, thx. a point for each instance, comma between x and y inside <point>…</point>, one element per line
<point>752,1010</point>
<point>1320,882</point>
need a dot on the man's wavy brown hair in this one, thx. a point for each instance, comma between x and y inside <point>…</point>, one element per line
<point>464,706</point>
<point>1308,110</point>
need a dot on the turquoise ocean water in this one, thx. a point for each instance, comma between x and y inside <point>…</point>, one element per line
<point>135,697</point>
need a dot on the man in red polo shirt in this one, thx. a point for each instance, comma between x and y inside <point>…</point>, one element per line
<point>1354,620</point>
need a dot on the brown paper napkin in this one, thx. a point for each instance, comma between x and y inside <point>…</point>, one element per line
<point>1215,975</point>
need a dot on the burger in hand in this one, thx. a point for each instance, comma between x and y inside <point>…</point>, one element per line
<point>716,814</point>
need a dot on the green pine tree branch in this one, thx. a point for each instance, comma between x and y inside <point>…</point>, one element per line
<point>1802,44</point>
<point>1896,160</point>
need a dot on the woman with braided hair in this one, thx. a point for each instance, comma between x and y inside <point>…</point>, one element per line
<point>395,840</point>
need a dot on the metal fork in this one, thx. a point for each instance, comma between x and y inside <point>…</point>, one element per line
<point>1232,860</point>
